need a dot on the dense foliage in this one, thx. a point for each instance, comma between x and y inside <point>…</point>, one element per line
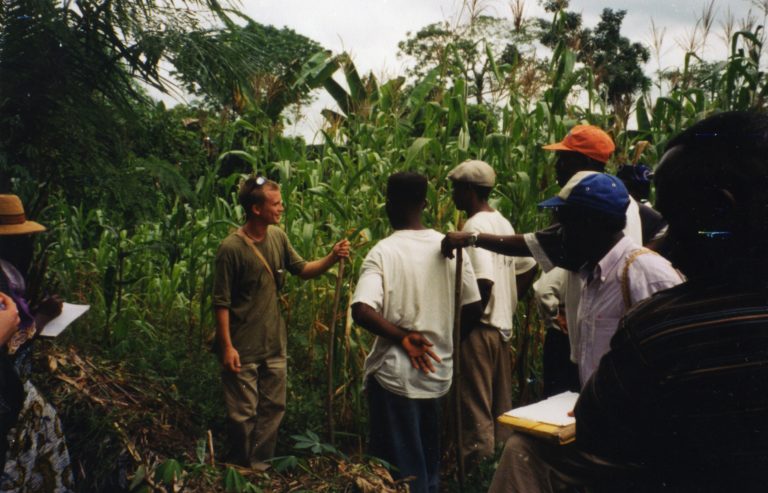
<point>137,196</point>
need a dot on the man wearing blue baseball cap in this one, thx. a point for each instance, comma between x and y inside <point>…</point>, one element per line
<point>616,273</point>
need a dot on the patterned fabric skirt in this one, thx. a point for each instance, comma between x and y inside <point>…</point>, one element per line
<point>37,458</point>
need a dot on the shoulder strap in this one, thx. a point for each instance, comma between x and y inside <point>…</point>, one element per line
<point>625,274</point>
<point>256,251</point>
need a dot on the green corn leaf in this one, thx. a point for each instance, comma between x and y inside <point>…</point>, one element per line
<point>494,67</point>
<point>422,89</point>
<point>415,149</point>
<point>339,95</point>
<point>643,123</point>
<point>250,158</point>
<point>356,87</point>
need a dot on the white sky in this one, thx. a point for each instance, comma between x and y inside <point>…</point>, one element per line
<point>370,29</point>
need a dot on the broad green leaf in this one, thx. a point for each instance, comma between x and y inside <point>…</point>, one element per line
<point>422,89</point>
<point>169,472</point>
<point>234,482</point>
<point>356,88</point>
<point>339,95</point>
<point>415,149</point>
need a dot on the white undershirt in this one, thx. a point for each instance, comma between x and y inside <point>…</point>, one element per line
<point>499,269</point>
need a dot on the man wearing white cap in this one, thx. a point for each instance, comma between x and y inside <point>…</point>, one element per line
<point>486,381</point>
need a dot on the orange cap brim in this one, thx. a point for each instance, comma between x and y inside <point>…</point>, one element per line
<point>559,146</point>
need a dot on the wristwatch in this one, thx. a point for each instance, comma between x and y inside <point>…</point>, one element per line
<point>472,239</point>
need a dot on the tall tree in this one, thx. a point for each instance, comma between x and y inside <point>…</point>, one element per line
<point>615,61</point>
<point>469,50</point>
<point>69,92</point>
<point>273,67</point>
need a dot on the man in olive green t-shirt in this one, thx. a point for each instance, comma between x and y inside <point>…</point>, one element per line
<point>251,335</point>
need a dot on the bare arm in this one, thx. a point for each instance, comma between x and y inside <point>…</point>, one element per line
<point>470,315</point>
<point>316,267</point>
<point>413,343</point>
<point>230,358</point>
<point>525,280</point>
<point>485,286</point>
<point>510,245</point>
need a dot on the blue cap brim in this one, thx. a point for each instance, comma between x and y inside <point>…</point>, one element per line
<point>552,202</point>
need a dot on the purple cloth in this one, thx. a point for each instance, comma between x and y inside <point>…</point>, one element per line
<point>12,283</point>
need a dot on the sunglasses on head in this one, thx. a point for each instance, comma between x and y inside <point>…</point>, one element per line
<point>260,180</point>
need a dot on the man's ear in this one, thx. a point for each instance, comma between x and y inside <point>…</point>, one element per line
<point>255,210</point>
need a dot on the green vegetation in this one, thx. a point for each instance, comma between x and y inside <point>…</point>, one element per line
<point>137,198</point>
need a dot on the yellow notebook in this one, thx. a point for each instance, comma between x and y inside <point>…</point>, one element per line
<point>547,419</point>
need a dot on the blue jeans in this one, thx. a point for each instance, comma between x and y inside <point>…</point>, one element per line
<point>406,433</point>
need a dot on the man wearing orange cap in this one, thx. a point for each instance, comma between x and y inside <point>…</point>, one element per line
<point>585,148</point>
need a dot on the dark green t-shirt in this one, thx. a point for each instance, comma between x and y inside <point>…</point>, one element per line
<point>242,284</point>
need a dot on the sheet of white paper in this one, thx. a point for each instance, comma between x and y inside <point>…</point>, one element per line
<point>69,313</point>
<point>553,410</point>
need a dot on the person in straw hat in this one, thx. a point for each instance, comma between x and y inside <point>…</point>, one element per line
<point>32,445</point>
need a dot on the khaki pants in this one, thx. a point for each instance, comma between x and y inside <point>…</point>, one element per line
<point>255,400</point>
<point>486,392</point>
<point>533,465</point>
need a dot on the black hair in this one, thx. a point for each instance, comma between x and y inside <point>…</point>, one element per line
<point>713,178</point>
<point>407,188</point>
<point>725,151</point>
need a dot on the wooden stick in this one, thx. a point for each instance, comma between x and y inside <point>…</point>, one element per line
<point>457,367</point>
<point>210,447</point>
<point>331,347</point>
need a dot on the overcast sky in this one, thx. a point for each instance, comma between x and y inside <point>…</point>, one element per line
<point>370,29</point>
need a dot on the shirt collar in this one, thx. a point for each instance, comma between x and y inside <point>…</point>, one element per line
<point>610,260</point>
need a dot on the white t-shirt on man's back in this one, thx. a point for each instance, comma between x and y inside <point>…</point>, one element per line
<point>500,269</point>
<point>406,279</point>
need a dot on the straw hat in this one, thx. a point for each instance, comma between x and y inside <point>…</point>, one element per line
<point>13,221</point>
